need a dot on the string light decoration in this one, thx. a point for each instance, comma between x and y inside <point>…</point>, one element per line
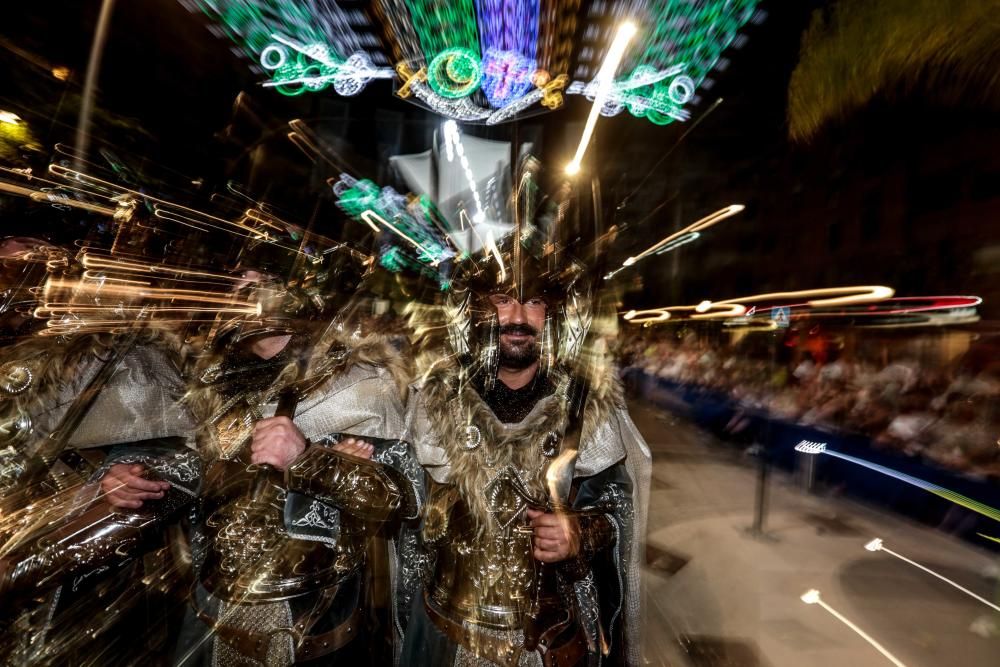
<point>395,259</point>
<point>454,73</point>
<point>508,35</point>
<point>557,26</point>
<point>395,19</point>
<point>693,33</point>
<point>298,68</point>
<point>507,76</point>
<point>661,108</point>
<point>413,219</point>
<point>462,109</point>
<point>508,26</point>
<point>454,148</point>
<point>303,46</point>
<point>444,24</point>
<point>548,95</point>
<point>486,61</point>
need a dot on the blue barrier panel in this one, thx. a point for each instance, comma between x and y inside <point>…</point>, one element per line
<point>713,410</point>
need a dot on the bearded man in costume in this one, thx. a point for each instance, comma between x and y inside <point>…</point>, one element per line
<point>96,457</point>
<point>306,469</point>
<point>536,477</point>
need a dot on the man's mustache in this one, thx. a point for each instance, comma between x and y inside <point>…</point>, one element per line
<point>518,329</point>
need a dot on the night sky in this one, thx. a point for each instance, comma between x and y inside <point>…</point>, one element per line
<point>177,84</point>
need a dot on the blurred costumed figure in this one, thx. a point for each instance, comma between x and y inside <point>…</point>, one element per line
<point>96,460</point>
<point>306,480</point>
<point>536,477</point>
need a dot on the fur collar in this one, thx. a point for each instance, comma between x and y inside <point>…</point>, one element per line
<point>332,359</point>
<point>460,418</point>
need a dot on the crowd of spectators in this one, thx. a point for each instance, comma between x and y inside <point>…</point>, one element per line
<point>949,416</point>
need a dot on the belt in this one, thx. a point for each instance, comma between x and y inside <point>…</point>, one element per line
<point>255,644</point>
<point>558,647</point>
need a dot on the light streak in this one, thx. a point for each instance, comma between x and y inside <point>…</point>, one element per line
<point>605,78</point>
<point>865,294</point>
<point>453,147</point>
<point>824,297</point>
<point>41,196</point>
<point>178,213</point>
<point>697,226</point>
<point>654,315</point>
<point>878,545</point>
<point>371,217</point>
<point>812,596</point>
<point>988,537</point>
<point>450,133</point>
<point>678,242</point>
<point>850,296</point>
<point>93,259</point>
<point>10,118</point>
<point>157,293</point>
<point>313,145</point>
<point>935,303</point>
<point>816,448</point>
<point>661,107</point>
<point>693,33</point>
<point>90,275</point>
<point>491,247</point>
<point>719,310</point>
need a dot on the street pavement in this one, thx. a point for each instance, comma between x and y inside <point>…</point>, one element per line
<point>718,596</point>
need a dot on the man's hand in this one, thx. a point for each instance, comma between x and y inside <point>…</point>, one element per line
<point>353,447</point>
<point>557,536</point>
<point>124,486</point>
<point>276,441</point>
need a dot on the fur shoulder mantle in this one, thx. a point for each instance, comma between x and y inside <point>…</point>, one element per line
<point>478,447</point>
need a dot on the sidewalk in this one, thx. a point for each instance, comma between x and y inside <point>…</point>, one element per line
<point>717,597</point>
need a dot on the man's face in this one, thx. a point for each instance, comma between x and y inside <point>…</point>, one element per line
<point>520,326</point>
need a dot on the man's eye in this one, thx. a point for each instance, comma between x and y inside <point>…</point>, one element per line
<point>536,303</point>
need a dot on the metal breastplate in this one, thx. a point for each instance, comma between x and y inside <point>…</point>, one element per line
<point>486,577</point>
<point>250,557</point>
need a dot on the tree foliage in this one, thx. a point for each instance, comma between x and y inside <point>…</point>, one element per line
<point>945,50</point>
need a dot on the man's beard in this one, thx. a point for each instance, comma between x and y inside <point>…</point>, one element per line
<point>517,356</point>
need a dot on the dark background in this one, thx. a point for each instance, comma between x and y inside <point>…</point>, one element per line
<point>903,193</point>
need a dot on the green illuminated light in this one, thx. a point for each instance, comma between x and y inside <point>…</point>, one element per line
<point>444,24</point>
<point>454,73</point>
<point>693,33</point>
